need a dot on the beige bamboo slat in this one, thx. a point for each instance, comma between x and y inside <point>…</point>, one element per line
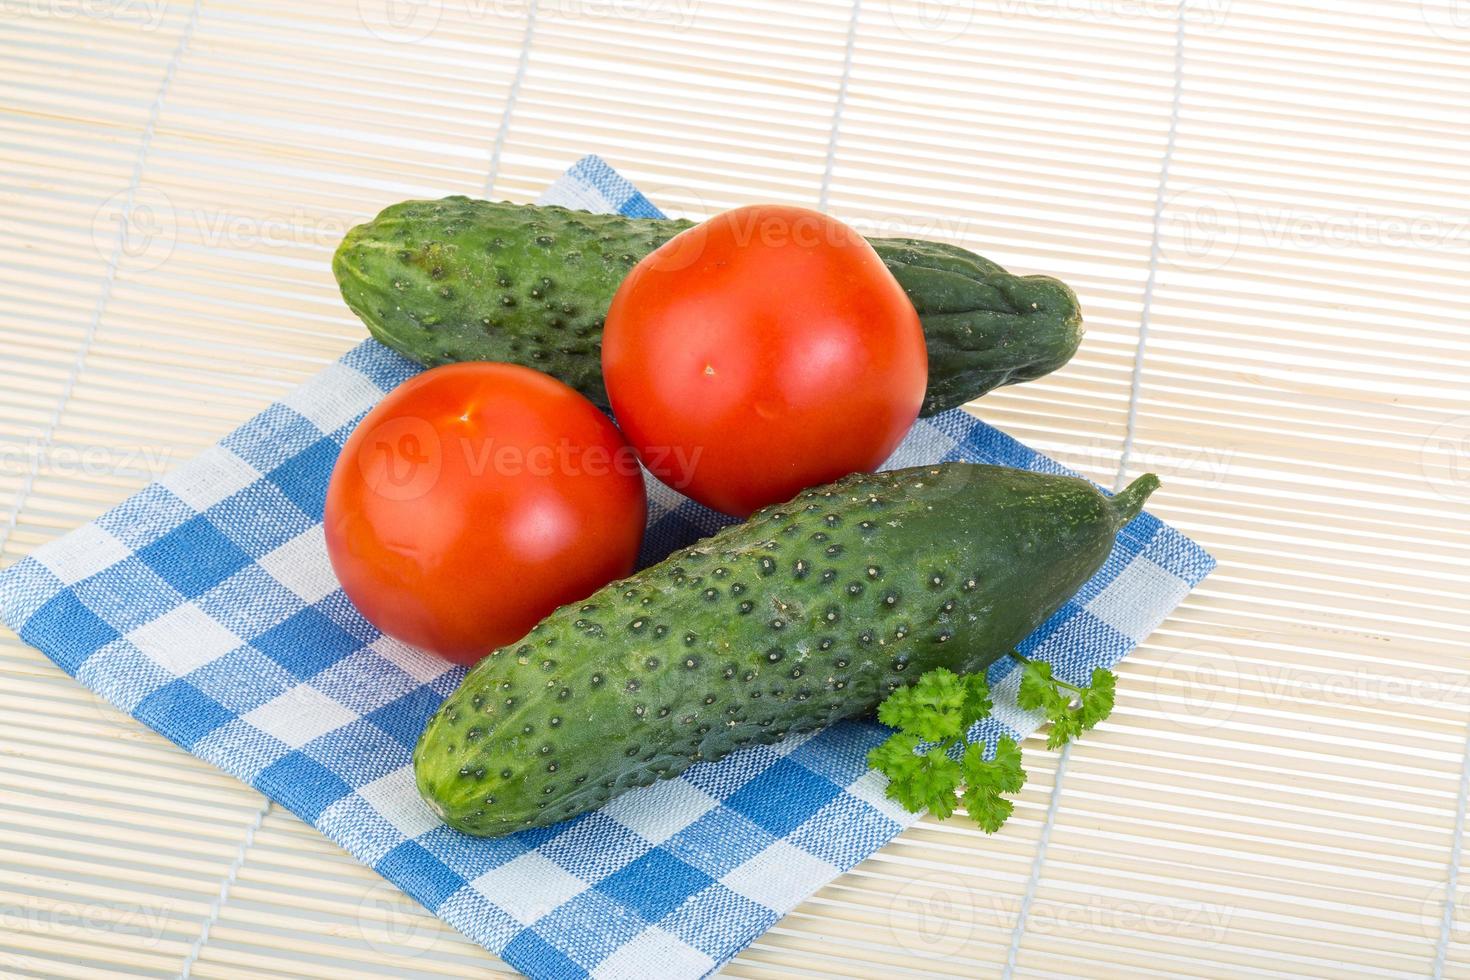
<point>1275,190</point>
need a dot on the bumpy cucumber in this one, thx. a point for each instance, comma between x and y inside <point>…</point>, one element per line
<point>810,612</point>
<point>467,280</point>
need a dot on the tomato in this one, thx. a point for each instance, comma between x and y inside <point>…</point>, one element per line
<point>474,500</point>
<point>762,352</point>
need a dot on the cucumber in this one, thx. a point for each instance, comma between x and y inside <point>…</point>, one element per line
<point>810,612</point>
<point>466,280</point>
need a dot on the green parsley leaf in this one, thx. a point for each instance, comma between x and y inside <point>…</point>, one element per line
<point>1037,690</point>
<point>986,779</point>
<point>987,808</point>
<point>1071,710</point>
<point>1063,729</point>
<point>1002,771</point>
<point>1097,700</point>
<point>917,781</point>
<point>933,708</point>
<point>977,700</point>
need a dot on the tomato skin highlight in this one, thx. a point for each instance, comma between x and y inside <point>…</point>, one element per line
<point>476,498</point>
<point>764,351</point>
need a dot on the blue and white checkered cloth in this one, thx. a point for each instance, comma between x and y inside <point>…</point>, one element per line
<point>205,607</point>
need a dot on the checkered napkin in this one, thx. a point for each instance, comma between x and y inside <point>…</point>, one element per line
<point>205,606</point>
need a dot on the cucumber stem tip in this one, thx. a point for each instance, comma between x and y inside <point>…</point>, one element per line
<point>1129,502</point>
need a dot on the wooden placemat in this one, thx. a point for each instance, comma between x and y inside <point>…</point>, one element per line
<point>1261,206</point>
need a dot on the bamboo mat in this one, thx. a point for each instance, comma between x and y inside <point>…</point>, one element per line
<point>1261,204</point>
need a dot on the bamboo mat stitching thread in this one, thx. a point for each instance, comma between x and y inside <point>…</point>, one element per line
<point>1018,932</point>
<point>226,883</point>
<point>1156,251</point>
<point>522,66</point>
<point>1452,881</point>
<point>1054,804</point>
<point>90,334</point>
<point>847,61</point>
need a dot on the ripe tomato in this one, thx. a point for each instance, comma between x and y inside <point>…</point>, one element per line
<point>762,352</point>
<point>474,500</point>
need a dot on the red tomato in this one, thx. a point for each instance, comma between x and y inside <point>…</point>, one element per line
<point>762,352</point>
<point>474,500</point>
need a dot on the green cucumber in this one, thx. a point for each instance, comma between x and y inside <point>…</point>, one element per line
<point>466,280</point>
<point>810,612</point>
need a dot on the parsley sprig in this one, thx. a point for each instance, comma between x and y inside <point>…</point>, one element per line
<point>1071,710</point>
<point>927,760</point>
